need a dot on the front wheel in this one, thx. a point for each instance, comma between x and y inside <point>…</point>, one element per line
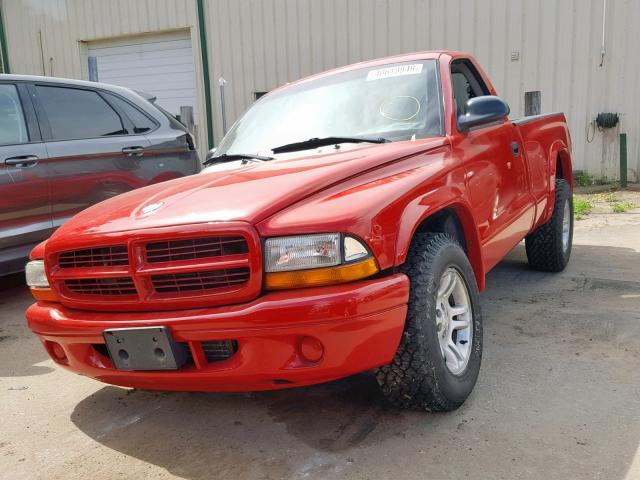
<point>438,360</point>
<point>549,246</point>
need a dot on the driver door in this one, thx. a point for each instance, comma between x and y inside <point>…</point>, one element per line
<point>495,171</point>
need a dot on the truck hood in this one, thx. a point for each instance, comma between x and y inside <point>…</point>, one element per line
<point>247,192</point>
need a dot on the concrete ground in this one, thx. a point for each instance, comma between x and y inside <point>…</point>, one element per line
<point>558,397</point>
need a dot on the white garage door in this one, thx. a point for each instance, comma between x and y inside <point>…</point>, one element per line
<point>158,64</point>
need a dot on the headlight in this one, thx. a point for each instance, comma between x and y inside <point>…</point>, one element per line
<point>304,251</point>
<point>38,282</point>
<point>36,276</point>
<point>354,249</point>
<point>315,260</point>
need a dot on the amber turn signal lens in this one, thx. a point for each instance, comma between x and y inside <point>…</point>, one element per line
<point>44,294</point>
<point>321,276</point>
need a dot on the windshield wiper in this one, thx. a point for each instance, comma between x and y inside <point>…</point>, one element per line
<point>321,142</point>
<point>230,157</point>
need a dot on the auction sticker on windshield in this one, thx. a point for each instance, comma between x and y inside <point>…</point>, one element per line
<point>396,71</point>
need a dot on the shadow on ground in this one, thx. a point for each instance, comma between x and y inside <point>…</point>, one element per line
<point>20,350</point>
<point>558,388</point>
<point>195,435</point>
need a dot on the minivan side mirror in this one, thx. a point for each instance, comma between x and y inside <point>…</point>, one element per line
<point>483,110</point>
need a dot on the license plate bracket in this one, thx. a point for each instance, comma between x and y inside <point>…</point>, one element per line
<point>144,348</point>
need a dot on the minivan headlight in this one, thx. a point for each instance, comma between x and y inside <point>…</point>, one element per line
<point>315,260</point>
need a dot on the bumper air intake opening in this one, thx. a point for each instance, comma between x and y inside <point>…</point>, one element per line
<point>218,350</point>
<point>101,348</point>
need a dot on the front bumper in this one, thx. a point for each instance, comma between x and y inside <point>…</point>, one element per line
<point>359,325</point>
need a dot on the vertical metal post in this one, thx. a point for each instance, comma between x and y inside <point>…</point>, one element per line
<point>205,72</point>
<point>4,53</point>
<point>93,68</point>
<point>623,160</point>
<point>603,47</point>
<point>221,82</point>
<point>44,69</point>
<point>187,119</point>
<point>532,103</point>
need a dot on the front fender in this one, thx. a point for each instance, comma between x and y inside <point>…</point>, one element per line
<point>369,206</point>
<point>385,208</point>
<point>451,197</point>
<point>37,252</point>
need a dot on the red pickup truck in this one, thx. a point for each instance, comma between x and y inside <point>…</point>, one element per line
<point>345,223</point>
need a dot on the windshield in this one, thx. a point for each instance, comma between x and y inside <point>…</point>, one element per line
<point>396,101</point>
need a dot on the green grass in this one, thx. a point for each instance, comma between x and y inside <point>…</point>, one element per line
<point>621,207</point>
<point>581,207</point>
<point>585,180</point>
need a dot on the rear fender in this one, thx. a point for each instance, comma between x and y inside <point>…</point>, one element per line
<point>560,150</point>
<point>557,151</point>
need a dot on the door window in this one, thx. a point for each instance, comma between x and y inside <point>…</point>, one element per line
<point>467,84</point>
<point>13,129</point>
<point>141,123</point>
<point>75,113</point>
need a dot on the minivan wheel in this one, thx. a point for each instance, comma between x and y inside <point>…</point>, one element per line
<point>438,360</point>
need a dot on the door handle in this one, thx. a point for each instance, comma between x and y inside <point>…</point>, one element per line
<point>133,151</point>
<point>22,161</point>
<point>515,149</point>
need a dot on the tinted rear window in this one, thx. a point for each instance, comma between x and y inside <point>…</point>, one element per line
<point>74,113</point>
<point>141,122</point>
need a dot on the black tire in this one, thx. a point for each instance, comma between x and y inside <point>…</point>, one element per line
<point>545,249</point>
<point>418,377</point>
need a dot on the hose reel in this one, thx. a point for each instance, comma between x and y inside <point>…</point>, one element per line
<point>603,121</point>
<point>607,120</point>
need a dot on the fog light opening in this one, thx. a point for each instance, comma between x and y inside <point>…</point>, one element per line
<point>57,352</point>
<point>311,349</point>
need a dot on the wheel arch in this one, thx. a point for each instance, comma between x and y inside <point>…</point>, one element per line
<point>560,164</point>
<point>454,219</point>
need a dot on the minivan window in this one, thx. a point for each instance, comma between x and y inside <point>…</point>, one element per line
<point>74,113</point>
<point>141,123</point>
<point>13,128</point>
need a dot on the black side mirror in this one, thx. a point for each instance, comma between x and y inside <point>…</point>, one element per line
<point>483,110</point>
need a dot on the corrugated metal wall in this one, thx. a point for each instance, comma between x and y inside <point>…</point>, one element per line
<point>259,44</point>
<point>51,37</point>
